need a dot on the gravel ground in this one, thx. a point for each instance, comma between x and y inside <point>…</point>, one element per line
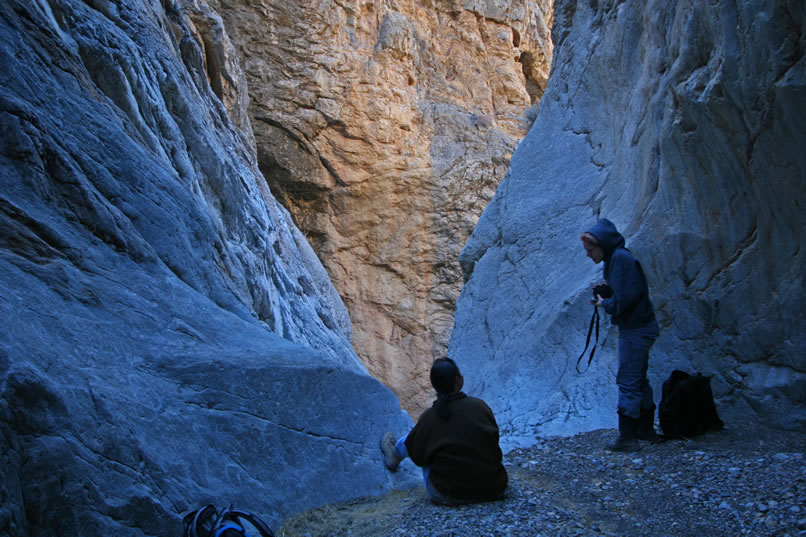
<point>734,482</point>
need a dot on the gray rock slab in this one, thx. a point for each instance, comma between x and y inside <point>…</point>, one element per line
<point>678,122</point>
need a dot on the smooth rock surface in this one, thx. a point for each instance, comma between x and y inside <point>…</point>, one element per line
<point>385,128</point>
<point>169,338</point>
<point>681,122</point>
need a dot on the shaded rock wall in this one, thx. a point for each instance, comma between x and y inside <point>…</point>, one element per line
<point>385,127</point>
<point>681,123</point>
<point>169,338</point>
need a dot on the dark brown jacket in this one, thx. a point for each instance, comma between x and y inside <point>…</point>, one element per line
<point>463,451</point>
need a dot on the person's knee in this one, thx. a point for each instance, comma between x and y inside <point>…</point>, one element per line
<point>630,381</point>
<point>632,370</point>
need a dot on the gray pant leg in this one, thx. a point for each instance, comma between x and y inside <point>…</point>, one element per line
<point>634,390</point>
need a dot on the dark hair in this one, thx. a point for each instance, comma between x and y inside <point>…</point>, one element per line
<point>444,373</point>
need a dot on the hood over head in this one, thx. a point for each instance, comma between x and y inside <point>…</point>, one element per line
<point>608,236</point>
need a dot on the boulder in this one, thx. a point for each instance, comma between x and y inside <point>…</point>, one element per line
<point>169,337</point>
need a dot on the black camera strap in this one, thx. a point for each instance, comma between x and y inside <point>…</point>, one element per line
<point>594,320</point>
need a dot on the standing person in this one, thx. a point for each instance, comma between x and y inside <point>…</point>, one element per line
<point>631,310</point>
<point>455,442</point>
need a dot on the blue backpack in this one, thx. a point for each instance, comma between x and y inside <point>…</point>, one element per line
<point>207,522</point>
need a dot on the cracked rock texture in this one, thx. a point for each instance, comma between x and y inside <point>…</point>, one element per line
<point>682,123</point>
<point>384,128</point>
<point>168,336</point>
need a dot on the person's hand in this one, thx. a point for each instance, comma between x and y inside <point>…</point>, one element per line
<point>597,301</point>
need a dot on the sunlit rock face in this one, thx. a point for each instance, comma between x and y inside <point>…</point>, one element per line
<point>169,339</point>
<point>385,131</point>
<point>682,123</point>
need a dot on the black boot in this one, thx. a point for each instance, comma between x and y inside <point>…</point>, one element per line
<point>628,435</point>
<point>646,425</point>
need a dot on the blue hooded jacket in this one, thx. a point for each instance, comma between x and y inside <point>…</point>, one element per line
<point>629,307</point>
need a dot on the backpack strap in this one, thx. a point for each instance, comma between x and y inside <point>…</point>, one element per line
<point>194,522</point>
<point>259,525</point>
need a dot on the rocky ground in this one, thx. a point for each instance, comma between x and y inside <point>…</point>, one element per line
<point>738,481</point>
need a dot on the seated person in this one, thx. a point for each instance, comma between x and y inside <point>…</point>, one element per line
<point>455,442</point>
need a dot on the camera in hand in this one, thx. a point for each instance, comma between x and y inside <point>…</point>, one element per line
<point>603,290</point>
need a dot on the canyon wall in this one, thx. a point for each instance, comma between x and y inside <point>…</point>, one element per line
<point>384,128</point>
<point>169,337</point>
<point>682,123</point>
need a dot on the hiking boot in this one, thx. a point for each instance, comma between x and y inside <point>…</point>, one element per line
<point>646,425</point>
<point>627,441</point>
<point>390,458</point>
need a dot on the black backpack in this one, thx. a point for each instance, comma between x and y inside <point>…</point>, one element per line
<point>207,522</point>
<point>687,406</point>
